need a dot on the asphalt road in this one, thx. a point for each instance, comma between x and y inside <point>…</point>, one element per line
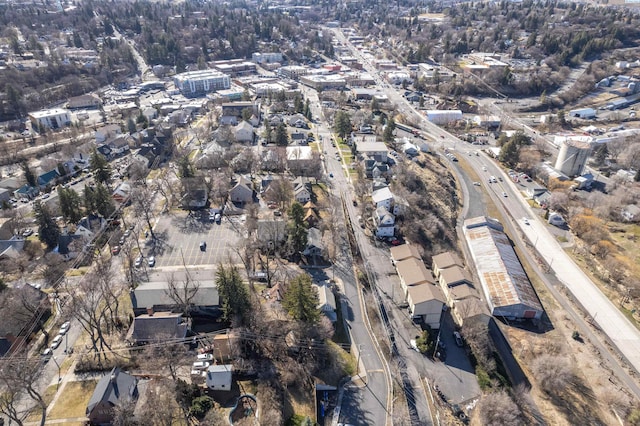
<point>366,402</point>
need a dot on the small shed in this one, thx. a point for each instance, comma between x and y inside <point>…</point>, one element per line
<point>219,377</point>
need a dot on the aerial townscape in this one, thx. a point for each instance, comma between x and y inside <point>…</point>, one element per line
<point>296,212</point>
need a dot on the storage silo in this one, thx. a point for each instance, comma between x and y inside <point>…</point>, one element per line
<point>573,157</point>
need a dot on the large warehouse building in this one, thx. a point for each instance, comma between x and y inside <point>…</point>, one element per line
<point>505,284</point>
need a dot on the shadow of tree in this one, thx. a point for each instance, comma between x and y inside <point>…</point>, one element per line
<point>576,402</point>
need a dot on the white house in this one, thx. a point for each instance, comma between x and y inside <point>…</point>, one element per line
<point>243,132</point>
<point>385,222</point>
<point>302,194</point>
<point>382,197</point>
<point>106,132</point>
<point>242,192</point>
<point>327,300</point>
<point>375,150</point>
<point>50,118</point>
<point>219,377</point>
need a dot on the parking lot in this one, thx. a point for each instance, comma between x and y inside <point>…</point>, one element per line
<point>180,236</point>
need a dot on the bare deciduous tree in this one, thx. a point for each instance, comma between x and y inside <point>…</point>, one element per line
<point>499,409</point>
<point>182,292</point>
<point>18,378</point>
<point>553,373</point>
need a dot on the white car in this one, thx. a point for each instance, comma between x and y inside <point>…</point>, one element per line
<point>200,365</point>
<point>205,357</point>
<point>47,354</point>
<point>56,341</point>
<point>138,262</point>
<point>525,220</point>
<point>151,261</point>
<point>64,328</point>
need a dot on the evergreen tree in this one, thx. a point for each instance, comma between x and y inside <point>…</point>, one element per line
<point>307,109</point>
<point>70,204</point>
<point>100,167</point>
<point>509,153</point>
<point>301,300</point>
<point>48,231</point>
<point>104,202</point>
<point>29,176</point>
<point>387,136</point>
<point>282,137</point>
<point>89,199</point>
<point>298,105</point>
<point>296,229</point>
<point>234,296</point>
<point>267,132</point>
<point>600,154</point>
<point>342,124</point>
<point>185,167</point>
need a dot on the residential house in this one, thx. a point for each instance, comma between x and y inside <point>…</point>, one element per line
<point>425,304</point>
<point>375,170</point>
<point>243,132</point>
<point>302,194</point>
<point>113,389</point>
<point>375,150</point>
<point>265,182</point>
<point>412,272</point>
<point>327,300</point>
<point>242,192</point>
<point>271,233</point>
<point>5,195</point>
<point>299,157</point>
<point>89,226</point>
<point>219,377</point>
<point>453,276</point>
<point>47,178</point>
<point>314,247</point>
<point>311,218</point>
<point>298,138</point>
<point>105,151</point>
<point>234,110</point>
<point>26,192</point>
<point>157,327</point>
<point>119,145</point>
<point>149,154</point>
<point>444,260</point>
<point>383,198</point>
<point>403,252</point>
<point>20,310</point>
<point>107,132</point>
<point>122,192</point>
<point>297,120</point>
<point>155,295</point>
<point>385,222</point>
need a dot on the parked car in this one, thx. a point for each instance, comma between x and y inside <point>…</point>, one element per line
<point>200,365</point>
<point>46,355</point>
<point>64,328</point>
<point>127,233</point>
<point>217,218</point>
<point>151,261</point>
<point>27,232</point>
<point>56,341</point>
<point>115,250</point>
<point>203,246</point>
<point>355,203</point>
<point>138,261</point>
<point>458,338</point>
<point>205,357</point>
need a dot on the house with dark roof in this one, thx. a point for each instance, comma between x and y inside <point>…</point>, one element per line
<point>112,389</point>
<point>202,296</point>
<point>156,327</point>
<point>47,178</point>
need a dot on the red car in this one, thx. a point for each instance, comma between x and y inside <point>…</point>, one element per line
<point>115,250</point>
<point>395,242</point>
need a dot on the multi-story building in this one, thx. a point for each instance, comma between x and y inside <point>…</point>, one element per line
<point>50,118</point>
<point>199,83</point>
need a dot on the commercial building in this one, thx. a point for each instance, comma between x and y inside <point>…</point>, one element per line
<point>375,150</point>
<point>50,118</point>
<point>438,116</point>
<point>266,57</point>
<point>199,83</point>
<point>505,284</point>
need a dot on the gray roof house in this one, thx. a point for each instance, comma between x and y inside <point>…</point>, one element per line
<point>242,192</point>
<point>157,326</point>
<point>155,295</point>
<point>314,247</point>
<point>111,389</point>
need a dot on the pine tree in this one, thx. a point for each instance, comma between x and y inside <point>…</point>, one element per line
<point>387,136</point>
<point>100,167</point>
<point>301,300</point>
<point>234,296</point>
<point>296,229</point>
<point>48,231</point>
<point>70,204</point>
<point>282,137</point>
<point>29,176</point>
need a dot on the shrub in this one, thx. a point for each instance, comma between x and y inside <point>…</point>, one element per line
<point>483,378</point>
<point>200,406</point>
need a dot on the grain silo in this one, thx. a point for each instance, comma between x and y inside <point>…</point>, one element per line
<point>573,157</point>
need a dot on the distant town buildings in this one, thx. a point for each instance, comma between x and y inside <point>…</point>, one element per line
<point>50,118</point>
<point>199,83</point>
